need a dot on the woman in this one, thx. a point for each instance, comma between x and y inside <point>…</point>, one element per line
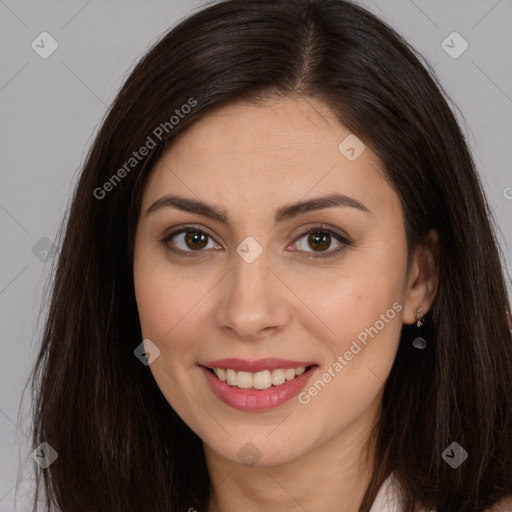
<point>279,286</point>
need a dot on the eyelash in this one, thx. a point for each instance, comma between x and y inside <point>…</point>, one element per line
<point>317,229</point>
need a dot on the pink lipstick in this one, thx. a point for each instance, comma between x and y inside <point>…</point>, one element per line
<point>257,385</point>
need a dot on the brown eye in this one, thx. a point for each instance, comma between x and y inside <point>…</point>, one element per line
<point>196,240</point>
<point>187,242</point>
<point>319,241</point>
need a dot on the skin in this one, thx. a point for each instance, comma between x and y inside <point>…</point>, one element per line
<point>251,159</point>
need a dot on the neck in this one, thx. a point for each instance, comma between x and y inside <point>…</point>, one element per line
<point>330,478</point>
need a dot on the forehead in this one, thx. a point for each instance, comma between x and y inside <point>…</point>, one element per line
<point>277,151</point>
<point>290,128</point>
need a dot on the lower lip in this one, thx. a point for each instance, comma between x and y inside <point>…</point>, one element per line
<point>257,399</point>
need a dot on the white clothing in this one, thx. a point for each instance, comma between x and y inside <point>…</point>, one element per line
<point>387,499</point>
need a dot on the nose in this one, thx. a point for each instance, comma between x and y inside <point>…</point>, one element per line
<point>254,301</point>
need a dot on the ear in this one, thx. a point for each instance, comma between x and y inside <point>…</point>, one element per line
<point>422,279</point>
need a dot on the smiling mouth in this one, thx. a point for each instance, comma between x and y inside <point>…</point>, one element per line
<point>258,380</point>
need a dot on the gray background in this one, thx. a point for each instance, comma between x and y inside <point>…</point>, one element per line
<point>51,108</point>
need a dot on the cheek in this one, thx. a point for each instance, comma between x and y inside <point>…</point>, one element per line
<point>361,307</point>
<point>357,305</point>
<point>166,302</point>
<point>366,320</point>
<point>155,301</point>
<point>355,296</point>
<point>165,298</point>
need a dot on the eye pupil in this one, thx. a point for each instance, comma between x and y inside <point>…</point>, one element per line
<point>319,240</point>
<point>196,237</point>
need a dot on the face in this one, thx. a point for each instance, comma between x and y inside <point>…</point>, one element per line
<point>259,288</point>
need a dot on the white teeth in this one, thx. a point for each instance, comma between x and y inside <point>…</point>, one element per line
<point>277,377</point>
<point>244,380</point>
<point>261,380</point>
<point>231,377</point>
<point>258,380</point>
<point>289,374</point>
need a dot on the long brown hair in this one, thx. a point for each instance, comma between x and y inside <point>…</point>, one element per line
<point>121,446</point>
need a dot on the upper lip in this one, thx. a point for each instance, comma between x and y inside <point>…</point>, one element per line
<point>258,365</point>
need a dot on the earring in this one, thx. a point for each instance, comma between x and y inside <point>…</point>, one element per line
<point>419,342</point>
<point>419,316</point>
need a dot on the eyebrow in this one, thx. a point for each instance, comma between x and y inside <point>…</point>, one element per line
<point>283,213</point>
